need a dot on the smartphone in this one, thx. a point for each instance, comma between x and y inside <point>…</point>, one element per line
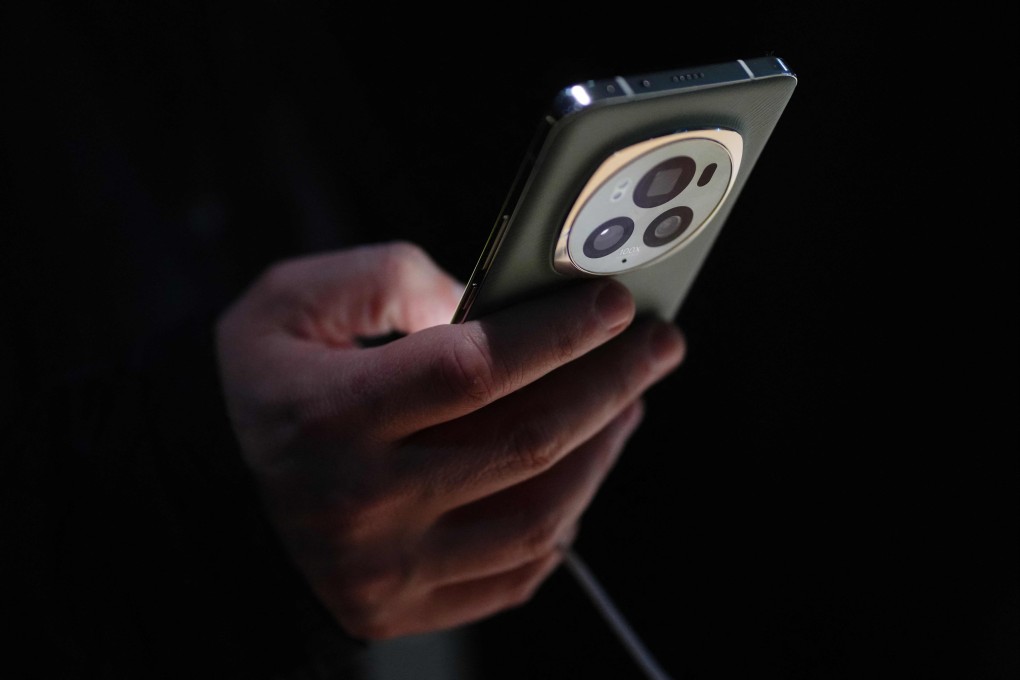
<point>631,177</point>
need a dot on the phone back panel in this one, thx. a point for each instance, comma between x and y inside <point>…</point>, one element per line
<point>576,144</point>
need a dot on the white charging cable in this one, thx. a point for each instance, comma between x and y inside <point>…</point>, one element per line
<point>612,615</point>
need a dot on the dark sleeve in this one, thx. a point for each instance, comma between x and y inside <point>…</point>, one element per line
<point>139,547</point>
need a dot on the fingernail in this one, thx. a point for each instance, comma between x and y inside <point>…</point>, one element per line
<point>667,344</point>
<point>615,305</point>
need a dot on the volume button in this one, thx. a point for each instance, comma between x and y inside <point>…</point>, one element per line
<point>496,241</point>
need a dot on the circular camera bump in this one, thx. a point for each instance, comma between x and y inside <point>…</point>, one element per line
<point>646,201</point>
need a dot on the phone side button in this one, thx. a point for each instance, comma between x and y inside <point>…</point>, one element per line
<point>465,303</point>
<point>497,239</point>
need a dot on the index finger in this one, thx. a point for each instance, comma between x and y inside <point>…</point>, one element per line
<point>444,372</point>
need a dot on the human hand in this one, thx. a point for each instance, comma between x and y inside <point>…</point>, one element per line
<point>428,482</point>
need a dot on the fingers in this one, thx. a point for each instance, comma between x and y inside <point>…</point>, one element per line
<point>445,372</point>
<point>477,560</point>
<point>524,522</point>
<point>529,431</point>
<point>303,311</point>
<point>456,604</point>
<point>493,555</point>
<point>483,558</point>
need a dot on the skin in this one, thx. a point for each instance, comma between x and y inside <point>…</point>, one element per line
<point>433,480</point>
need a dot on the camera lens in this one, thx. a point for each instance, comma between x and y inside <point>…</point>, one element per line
<point>608,236</point>
<point>664,182</point>
<point>668,226</point>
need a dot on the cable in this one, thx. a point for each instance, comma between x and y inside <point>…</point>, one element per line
<point>612,615</point>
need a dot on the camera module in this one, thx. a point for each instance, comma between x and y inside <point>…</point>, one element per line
<point>647,201</point>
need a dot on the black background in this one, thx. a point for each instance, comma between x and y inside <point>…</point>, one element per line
<point>825,489</point>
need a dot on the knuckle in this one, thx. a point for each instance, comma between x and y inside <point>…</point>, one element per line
<point>402,261</point>
<point>358,514</point>
<point>540,538</point>
<point>568,344</point>
<point>399,254</point>
<point>277,277</point>
<point>526,585</point>
<point>279,290</point>
<point>467,370</point>
<point>365,599</point>
<point>531,449</point>
<point>365,590</point>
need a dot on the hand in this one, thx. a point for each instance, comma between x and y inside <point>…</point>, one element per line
<point>430,481</point>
